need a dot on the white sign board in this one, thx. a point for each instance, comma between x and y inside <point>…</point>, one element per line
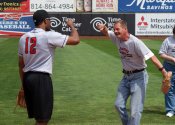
<point>104,5</point>
<point>154,24</point>
<point>53,5</point>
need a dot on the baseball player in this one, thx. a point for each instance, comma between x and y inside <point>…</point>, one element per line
<point>133,53</point>
<point>167,52</point>
<point>36,56</point>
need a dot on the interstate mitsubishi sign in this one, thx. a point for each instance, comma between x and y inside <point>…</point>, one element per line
<point>154,24</point>
<point>146,6</point>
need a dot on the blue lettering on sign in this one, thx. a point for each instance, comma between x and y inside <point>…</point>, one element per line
<point>16,23</point>
<point>146,6</point>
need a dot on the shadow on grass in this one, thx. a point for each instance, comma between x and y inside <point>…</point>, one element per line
<point>154,110</point>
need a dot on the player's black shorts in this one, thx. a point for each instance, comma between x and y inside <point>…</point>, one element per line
<point>38,92</point>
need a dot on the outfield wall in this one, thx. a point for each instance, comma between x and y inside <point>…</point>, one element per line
<point>140,24</point>
<point>144,18</point>
<point>17,24</point>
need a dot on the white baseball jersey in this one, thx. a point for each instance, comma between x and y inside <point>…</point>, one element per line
<point>37,49</point>
<point>133,52</point>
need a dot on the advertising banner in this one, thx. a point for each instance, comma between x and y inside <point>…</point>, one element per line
<point>86,23</point>
<point>15,24</point>
<point>154,24</point>
<point>53,5</point>
<point>129,6</point>
<point>104,5</point>
<point>14,6</point>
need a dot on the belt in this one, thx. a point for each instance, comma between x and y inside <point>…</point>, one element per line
<point>36,72</point>
<point>134,71</point>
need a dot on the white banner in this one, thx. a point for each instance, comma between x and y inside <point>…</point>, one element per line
<point>53,5</point>
<point>154,24</point>
<point>104,5</point>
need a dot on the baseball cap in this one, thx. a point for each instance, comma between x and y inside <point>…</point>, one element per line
<point>39,16</point>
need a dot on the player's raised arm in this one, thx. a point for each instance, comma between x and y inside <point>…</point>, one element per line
<point>74,37</point>
<point>102,29</point>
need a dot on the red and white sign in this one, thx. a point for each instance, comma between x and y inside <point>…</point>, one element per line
<point>104,5</point>
<point>154,24</point>
<point>14,6</point>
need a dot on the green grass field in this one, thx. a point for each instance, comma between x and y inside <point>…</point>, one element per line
<point>85,78</point>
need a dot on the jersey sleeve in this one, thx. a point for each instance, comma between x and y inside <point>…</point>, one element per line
<point>57,39</point>
<point>112,36</point>
<point>143,50</point>
<point>164,47</point>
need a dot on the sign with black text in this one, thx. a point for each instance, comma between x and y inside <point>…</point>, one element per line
<point>86,23</point>
<point>53,5</point>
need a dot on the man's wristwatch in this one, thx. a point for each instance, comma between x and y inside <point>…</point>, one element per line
<point>160,69</point>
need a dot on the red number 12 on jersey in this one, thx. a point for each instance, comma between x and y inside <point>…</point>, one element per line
<point>30,44</point>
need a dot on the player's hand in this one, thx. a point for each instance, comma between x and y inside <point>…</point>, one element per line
<point>100,26</point>
<point>70,23</point>
<point>173,59</point>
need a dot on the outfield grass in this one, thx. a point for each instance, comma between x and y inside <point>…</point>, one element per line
<point>85,78</point>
